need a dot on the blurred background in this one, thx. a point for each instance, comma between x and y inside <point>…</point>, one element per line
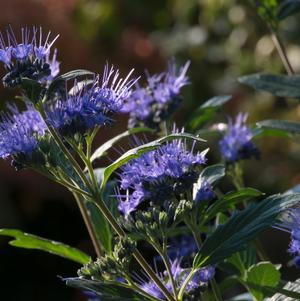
<point>224,39</point>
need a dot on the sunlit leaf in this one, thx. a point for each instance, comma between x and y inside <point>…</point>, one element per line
<point>29,241</point>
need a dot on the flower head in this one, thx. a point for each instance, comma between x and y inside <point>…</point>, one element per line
<point>92,105</point>
<point>203,191</point>
<point>179,274</point>
<point>236,144</point>
<point>182,246</point>
<point>28,58</point>
<point>159,175</point>
<point>150,105</point>
<point>293,225</point>
<point>19,132</point>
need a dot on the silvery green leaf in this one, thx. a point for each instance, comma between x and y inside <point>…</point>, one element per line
<point>279,85</point>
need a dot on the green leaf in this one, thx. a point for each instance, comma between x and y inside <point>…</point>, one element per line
<point>262,274</point>
<point>230,199</point>
<point>213,173</point>
<point>279,85</point>
<point>290,287</point>
<point>282,125</point>
<point>101,151</point>
<point>243,260</point>
<point>106,291</point>
<point>80,85</point>
<point>29,241</point>
<point>101,226</point>
<point>207,111</point>
<point>242,228</point>
<point>216,102</point>
<point>138,151</point>
<point>288,8</point>
<point>259,132</point>
<point>270,291</point>
<point>33,89</point>
<point>59,80</point>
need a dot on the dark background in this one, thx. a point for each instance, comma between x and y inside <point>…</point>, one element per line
<point>223,40</point>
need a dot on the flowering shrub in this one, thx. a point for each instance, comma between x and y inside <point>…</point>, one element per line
<point>167,193</point>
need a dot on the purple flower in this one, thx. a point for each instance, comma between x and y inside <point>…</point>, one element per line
<point>91,105</point>
<point>159,175</point>
<point>179,274</point>
<point>203,191</point>
<point>182,246</point>
<point>54,65</point>
<point>292,225</point>
<point>19,131</point>
<point>150,105</point>
<point>28,58</point>
<point>236,143</point>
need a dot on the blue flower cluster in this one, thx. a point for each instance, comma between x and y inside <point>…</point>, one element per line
<point>236,143</point>
<point>159,175</point>
<point>293,225</point>
<point>200,278</point>
<point>90,106</point>
<point>19,132</point>
<point>203,191</point>
<point>183,246</point>
<point>30,58</point>
<point>150,105</point>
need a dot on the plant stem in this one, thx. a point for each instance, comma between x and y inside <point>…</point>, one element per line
<point>132,285</point>
<point>89,225</point>
<point>162,251</point>
<point>213,283</point>
<point>137,255</point>
<point>101,205</point>
<point>281,51</point>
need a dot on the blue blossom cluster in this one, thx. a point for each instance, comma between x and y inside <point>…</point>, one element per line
<point>293,226</point>
<point>19,132</point>
<point>236,143</point>
<point>150,105</point>
<point>90,106</point>
<point>159,175</point>
<point>183,246</point>
<point>203,191</point>
<point>30,58</point>
<point>200,278</point>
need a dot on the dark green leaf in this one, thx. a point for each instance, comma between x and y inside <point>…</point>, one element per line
<point>207,111</point>
<point>59,80</point>
<point>259,132</point>
<point>279,85</point>
<point>29,241</point>
<point>101,151</point>
<point>33,89</point>
<point>101,226</point>
<point>138,151</point>
<point>288,8</point>
<point>106,291</point>
<point>216,102</point>
<point>290,287</point>
<point>80,85</point>
<point>230,199</point>
<point>213,173</point>
<point>282,125</point>
<point>243,227</point>
<point>271,291</point>
<point>262,274</point>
